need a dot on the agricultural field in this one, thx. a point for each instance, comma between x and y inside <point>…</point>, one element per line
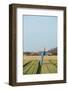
<point>31,65</point>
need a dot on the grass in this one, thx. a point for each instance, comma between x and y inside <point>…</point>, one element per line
<point>31,65</point>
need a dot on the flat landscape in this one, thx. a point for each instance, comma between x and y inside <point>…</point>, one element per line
<point>31,65</point>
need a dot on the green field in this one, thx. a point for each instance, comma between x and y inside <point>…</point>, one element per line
<point>31,65</point>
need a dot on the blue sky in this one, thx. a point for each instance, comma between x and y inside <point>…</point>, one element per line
<point>40,32</point>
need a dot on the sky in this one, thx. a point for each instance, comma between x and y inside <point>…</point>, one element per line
<point>39,32</point>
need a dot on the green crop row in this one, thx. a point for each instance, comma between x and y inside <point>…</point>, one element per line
<point>34,67</point>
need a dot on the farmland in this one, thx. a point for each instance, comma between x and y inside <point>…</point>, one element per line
<point>31,65</point>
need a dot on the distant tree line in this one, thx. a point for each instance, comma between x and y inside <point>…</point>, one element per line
<point>50,52</point>
<point>53,51</point>
<point>31,53</point>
